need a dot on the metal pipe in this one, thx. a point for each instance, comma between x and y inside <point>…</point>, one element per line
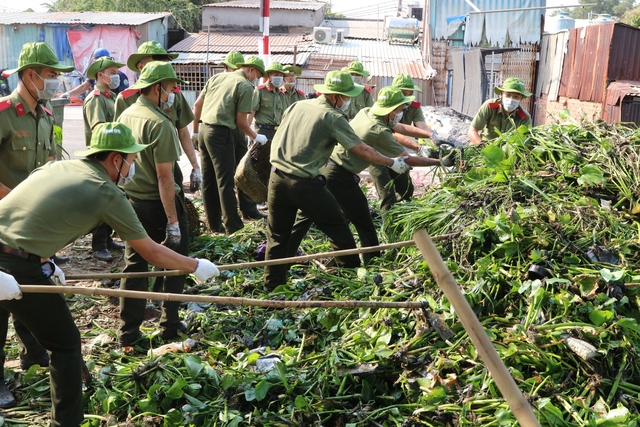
<point>529,8</point>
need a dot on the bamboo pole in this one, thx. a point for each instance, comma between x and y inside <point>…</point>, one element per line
<point>252,302</point>
<point>515,399</point>
<point>255,264</point>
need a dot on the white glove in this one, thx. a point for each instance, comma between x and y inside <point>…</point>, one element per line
<point>260,139</point>
<point>9,288</point>
<point>205,270</point>
<point>194,140</point>
<point>423,151</point>
<point>65,95</point>
<point>399,166</point>
<point>58,275</point>
<point>195,180</point>
<point>173,236</point>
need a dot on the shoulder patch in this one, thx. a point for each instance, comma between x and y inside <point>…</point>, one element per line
<point>20,109</point>
<point>494,105</point>
<point>5,104</point>
<point>415,104</point>
<point>261,87</point>
<point>46,110</point>
<point>521,113</point>
<point>177,89</point>
<point>367,89</point>
<point>128,93</point>
<point>300,92</point>
<point>96,92</point>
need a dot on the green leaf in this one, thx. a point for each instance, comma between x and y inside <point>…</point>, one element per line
<point>194,365</point>
<point>591,175</point>
<point>173,419</point>
<point>147,405</point>
<point>611,276</point>
<point>261,390</point>
<point>235,421</point>
<point>176,392</point>
<point>250,395</point>
<point>493,156</point>
<point>599,317</point>
<point>227,381</point>
<point>301,402</point>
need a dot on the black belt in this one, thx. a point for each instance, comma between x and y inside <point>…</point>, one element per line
<point>215,126</point>
<point>18,252</point>
<point>268,127</point>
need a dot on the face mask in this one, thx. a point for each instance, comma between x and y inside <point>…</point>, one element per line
<point>345,105</point>
<point>397,118</point>
<point>510,104</point>
<point>115,81</point>
<point>165,105</point>
<point>124,180</point>
<point>357,80</point>
<point>277,81</point>
<point>256,81</point>
<point>290,84</point>
<point>50,88</point>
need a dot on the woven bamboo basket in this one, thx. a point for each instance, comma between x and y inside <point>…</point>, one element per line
<point>252,173</point>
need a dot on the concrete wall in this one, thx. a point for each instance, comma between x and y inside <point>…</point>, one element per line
<point>244,18</point>
<point>548,112</point>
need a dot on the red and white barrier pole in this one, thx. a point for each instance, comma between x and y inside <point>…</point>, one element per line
<point>263,46</point>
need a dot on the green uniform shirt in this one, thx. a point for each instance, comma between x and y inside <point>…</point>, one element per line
<point>180,113</point>
<point>74,195</point>
<point>359,102</point>
<point>373,131</point>
<point>269,104</point>
<point>490,117</point>
<point>150,126</point>
<point>98,108</point>
<point>26,140</point>
<point>292,96</point>
<point>225,95</point>
<point>413,114</point>
<point>302,150</point>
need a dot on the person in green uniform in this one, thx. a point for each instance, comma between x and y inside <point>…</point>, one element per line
<point>364,99</point>
<point>224,104</point>
<point>269,102</point>
<point>374,126</point>
<point>26,143</point>
<point>180,112</point>
<point>297,154</point>
<point>155,197</point>
<point>500,114</point>
<point>291,93</point>
<point>76,195</point>
<point>98,108</point>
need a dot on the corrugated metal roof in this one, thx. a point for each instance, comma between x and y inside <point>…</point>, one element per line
<point>224,42</point>
<point>615,109</point>
<point>216,58</point>
<point>255,4</point>
<point>78,18</point>
<point>522,27</point>
<point>356,29</point>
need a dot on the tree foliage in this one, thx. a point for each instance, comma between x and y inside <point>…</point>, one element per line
<point>188,13</point>
<point>632,17</point>
<point>613,7</point>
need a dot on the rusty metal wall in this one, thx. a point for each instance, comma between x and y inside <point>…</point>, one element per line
<point>522,64</point>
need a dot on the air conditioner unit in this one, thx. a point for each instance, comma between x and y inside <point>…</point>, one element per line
<point>322,35</point>
<point>340,36</point>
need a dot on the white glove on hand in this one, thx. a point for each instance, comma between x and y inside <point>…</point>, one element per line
<point>437,139</point>
<point>9,288</point>
<point>423,151</point>
<point>194,140</point>
<point>195,180</point>
<point>205,270</point>
<point>173,237</point>
<point>65,95</point>
<point>58,275</point>
<point>260,139</point>
<point>399,166</point>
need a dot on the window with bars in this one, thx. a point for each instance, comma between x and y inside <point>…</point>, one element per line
<point>196,75</point>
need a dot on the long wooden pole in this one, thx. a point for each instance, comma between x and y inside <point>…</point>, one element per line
<point>255,264</point>
<point>505,382</point>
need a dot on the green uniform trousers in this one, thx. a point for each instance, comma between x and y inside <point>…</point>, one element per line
<point>288,194</point>
<point>247,205</point>
<point>217,153</point>
<point>153,219</point>
<point>345,187</point>
<point>48,318</point>
<point>391,187</point>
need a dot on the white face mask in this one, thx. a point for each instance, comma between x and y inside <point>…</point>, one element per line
<point>165,105</point>
<point>357,80</point>
<point>396,119</point>
<point>277,81</point>
<point>124,180</point>
<point>50,88</point>
<point>510,104</point>
<point>115,81</point>
<point>345,105</point>
<point>290,84</point>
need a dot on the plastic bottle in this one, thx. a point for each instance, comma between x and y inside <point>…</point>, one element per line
<point>174,347</point>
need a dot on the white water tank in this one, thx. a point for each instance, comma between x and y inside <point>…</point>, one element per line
<point>603,18</point>
<point>562,21</point>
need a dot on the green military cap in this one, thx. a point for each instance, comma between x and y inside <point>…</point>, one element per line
<point>293,69</point>
<point>233,59</point>
<point>277,67</point>
<point>512,84</point>
<point>356,67</point>
<point>339,82</point>
<point>404,82</point>
<point>111,136</point>
<point>157,72</point>
<point>38,54</point>
<point>150,48</point>
<point>253,61</point>
<point>101,64</point>
<point>389,98</point>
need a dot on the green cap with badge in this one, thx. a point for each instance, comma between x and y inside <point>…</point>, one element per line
<point>150,48</point>
<point>39,54</point>
<point>101,64</point>
<point>339,82</point>
<point>389,98</point>
<point>512,84</point>
<point>293,69</point>
<point>111,136</point>
<point>255,62</point>
<point>404,82</point>
<point>157,72</point>
<point>356,67</point>
<point>233,59</point>
<point>275,67</point>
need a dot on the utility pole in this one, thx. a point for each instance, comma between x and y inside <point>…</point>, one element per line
<point>263,44</point>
